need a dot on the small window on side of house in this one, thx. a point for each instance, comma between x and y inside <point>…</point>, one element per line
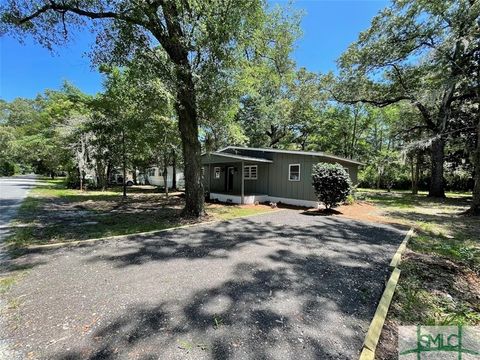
<point>246,172</point>
<point>294,172</point>
<point>250,172</point>
<point>216,172</point>
<point>253,172</point>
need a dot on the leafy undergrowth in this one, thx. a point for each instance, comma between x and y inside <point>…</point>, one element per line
<point>53,213</point>
<point>440,279</point>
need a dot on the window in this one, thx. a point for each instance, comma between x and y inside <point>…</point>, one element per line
<point>151,172</point>
<point>250,172</point>
<point>216,172</point>
<point>294,172</point>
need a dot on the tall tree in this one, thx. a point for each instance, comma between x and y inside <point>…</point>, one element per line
<point>194,36</point>
<point>416,51</point>
<point>265,80</point>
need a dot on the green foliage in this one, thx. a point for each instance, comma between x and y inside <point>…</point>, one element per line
<point>6,168</point>
<point>248,91</point>
<point>331,183</point>
<point>350,200</point>
<point>419,54</point>
<point>266,79</point>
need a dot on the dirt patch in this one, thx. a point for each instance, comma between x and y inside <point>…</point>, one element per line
<point>135,203</point>
<point>360,210</point>
<point>387,350</point>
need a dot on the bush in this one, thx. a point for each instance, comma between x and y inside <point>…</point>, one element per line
<point>350,200</point>
<point>331,183</point>
<point>7,168</point>
<point>72,180</point>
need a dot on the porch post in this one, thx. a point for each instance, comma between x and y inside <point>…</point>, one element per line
<point>243,185</point>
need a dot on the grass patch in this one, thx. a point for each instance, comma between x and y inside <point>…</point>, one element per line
<point>440,279</point>
<point>52,213</point>
<point>7,281</point>
<point>440,228</point>
<point>227,212</point>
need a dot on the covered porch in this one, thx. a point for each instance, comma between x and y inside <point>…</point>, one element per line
<point>235,179</point>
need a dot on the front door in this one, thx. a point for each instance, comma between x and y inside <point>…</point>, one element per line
<point>230,172</point>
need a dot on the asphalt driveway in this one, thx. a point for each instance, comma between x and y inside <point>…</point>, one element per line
<point>282,285</point>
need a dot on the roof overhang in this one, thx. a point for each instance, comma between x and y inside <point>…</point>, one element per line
<point>293,152</point>
<point>217,157</point>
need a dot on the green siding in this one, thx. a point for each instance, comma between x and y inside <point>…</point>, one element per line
<point>281,186</point>
<point>259,186</point>
<point>272,178</point>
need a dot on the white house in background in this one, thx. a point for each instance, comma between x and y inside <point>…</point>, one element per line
<point>154,177</point>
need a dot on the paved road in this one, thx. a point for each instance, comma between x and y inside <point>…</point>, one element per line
<point>12,191</point>
<point>283,285</point>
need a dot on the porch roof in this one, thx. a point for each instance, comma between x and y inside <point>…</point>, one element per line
<point>216,157</point>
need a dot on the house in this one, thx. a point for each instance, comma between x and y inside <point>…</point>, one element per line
<point>244,175</point>
<point>155,177</point>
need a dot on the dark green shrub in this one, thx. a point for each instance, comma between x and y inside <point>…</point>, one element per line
<point>332,184</point>
<point>7,168</point>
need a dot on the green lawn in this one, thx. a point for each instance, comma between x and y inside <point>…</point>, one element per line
<point>52,213</point>
<point>440,279</point>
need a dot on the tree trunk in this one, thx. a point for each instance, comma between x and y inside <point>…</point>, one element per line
<point>188,126</point>
<point>165,178</point>
<point>475,207</point>
<point>412,176</point>
<point>134,175</point>
<point>124,165</point>
<point>101,173</point>
<point>416,164</point>
<point>80,178</point>
<point>174,171</point>
<point>379,177</point>
<point>108,173</point>
<point>437,187</point>
<point>418,167</point>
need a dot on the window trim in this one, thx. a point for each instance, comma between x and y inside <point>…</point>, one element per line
<point>250,172</point>
<point>290,172</point>
<point>215,170</point>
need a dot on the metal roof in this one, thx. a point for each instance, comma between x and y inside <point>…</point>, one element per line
<point>295,152</point>
<point>239,157</point>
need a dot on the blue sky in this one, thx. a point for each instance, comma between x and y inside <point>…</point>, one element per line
<point>329,26</point>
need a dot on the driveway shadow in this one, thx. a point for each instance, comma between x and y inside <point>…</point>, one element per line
<point>276,286</point>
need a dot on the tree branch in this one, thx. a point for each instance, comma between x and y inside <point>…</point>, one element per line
<point>378,103</point>
<point>63,8</point>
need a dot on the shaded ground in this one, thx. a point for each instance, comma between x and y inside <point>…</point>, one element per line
<point>53,213</point>
<point>440,279</point>
<point>282,285</point>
